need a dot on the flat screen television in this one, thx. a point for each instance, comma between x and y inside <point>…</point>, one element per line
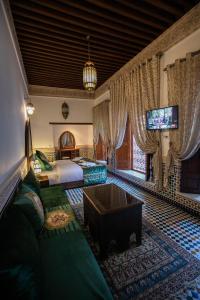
<point>162,118</point>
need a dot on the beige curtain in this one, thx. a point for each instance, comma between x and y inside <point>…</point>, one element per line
<point>143,91</point>
<point>96,124</point>
<point>101,124</point>
<point>118,116</point>
<point>184,91</point>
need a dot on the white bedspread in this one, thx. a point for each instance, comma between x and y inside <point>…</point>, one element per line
<point>64,171</point>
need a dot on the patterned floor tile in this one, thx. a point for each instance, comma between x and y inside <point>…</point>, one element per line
<point>182,227</point>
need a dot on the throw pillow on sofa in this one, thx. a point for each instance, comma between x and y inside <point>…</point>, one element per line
<point>31,206</point>
<point>19,244</point>
<point>20,258</point>
<point>20,282</point>
<point>44,163</point>
<point>32,181</point>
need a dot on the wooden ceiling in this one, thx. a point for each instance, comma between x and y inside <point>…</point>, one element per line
<point>52,35</point>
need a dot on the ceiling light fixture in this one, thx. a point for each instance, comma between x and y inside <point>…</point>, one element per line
<point>89,72</point>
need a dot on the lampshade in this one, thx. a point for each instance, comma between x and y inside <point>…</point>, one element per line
<point>36,167</point>
<point>30,108</point>
<point>89,76</point>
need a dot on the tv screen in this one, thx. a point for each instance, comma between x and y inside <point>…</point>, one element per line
<point>162,118</point>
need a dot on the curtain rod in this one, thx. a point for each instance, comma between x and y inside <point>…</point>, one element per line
<point>182,59</point>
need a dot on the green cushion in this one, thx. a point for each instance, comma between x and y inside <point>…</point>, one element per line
<point>70,270</point>
<point>18,241</point>
<point>45,165</point>
<point>19,282</point>
<point>31,205</point>
<point>53,196</point>
<point>32,181</point>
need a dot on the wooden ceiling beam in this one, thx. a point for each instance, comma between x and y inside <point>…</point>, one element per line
<point>136,16</point>
<point>35,80</point>
<point>105,14</point>
<point>74,14</point>
<point>48,57</point>
<point>164,5</point>
<point>69,48</point>
<point>60,34</point>
<point>57,68</point>
<point>53,62</point>
<point>95,36</point>
<point>149,10</point>
<point>68,59</point>
<point>52,83</point>
<point>54,68</point>
<point>83,26</point>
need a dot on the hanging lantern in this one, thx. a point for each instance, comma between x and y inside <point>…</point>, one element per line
<point>89,73</point>
<point>30,108</point>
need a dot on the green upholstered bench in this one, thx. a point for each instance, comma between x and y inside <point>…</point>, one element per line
<point>46,264</point>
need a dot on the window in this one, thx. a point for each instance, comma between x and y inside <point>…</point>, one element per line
<point>139,158</point>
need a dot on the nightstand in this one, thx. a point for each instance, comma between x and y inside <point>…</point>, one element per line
<point>43,180</point>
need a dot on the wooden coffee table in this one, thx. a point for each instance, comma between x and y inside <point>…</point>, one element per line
<point>112,214</point>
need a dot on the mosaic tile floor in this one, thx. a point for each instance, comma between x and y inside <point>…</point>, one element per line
<point>179,225</point>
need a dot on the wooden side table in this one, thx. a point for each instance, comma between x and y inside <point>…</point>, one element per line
<point>43,180</point>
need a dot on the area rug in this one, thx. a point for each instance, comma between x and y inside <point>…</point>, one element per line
<point>158,269</point>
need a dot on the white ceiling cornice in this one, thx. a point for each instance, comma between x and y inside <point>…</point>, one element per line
<point>38,90</point>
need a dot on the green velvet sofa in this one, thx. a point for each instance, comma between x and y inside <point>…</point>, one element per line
<point>48,263</point>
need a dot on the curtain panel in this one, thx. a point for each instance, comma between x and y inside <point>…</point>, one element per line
<point>101,126</point>
<point>184,90</point>
<point>143,93</point>
<point>118,117</point>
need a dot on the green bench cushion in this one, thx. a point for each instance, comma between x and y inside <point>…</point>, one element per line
<point>70,270</point>
<point>53,196</point>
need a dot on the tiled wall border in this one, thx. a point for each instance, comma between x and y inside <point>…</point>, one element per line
<point>170,194</point>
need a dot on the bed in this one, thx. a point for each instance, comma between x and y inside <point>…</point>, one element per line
<point>76,173</point>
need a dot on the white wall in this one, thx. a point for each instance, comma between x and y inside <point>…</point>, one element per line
<point>48,109</point>
<point>12,104</point>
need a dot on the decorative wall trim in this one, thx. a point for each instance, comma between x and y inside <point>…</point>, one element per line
<point>8,187</point>
<point>69,123</point>
<point>173,35</point>
<point>38,90</point>
<point>170,194</point>
<point>51,153</point>
<point>11,28</point>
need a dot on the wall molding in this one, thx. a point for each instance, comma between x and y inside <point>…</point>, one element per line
<point>8,187</point>
<point>181,29</point>
<point>39,90</point>
<point>11,28</point>
<point>69,123</point>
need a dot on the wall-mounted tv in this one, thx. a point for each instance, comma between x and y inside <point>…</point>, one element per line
<point>162,118</point>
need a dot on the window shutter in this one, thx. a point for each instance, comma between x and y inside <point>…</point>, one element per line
<point>101,152</point>
<point>123,154</point>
